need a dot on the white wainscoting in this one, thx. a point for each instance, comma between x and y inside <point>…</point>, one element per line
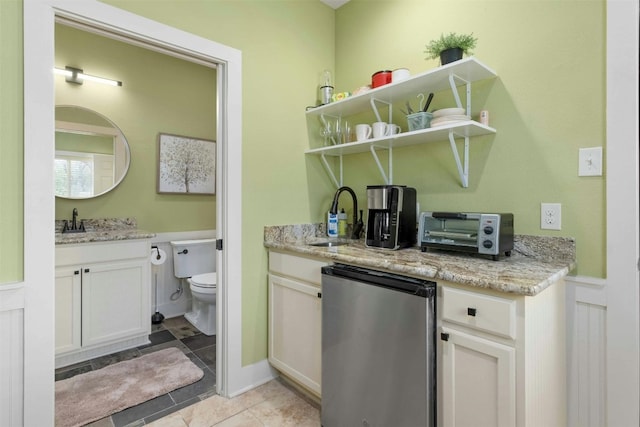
<point>586,346</point>
<point>11,355</point>
<point>167,282</point>
<point>586,351</point>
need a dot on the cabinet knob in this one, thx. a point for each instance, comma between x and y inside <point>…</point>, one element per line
<point>444,336</point>
<point>76,272</point>
<point>319,294</point>
<point>471,311</point>
<point>86,270</point>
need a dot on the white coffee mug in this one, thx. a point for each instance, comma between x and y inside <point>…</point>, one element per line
<point>379,129</point>
<point>400,74</point>
<point>392,129</point>
<point>363,131</point>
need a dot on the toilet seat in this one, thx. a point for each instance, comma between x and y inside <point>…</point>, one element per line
<point>206,280</point>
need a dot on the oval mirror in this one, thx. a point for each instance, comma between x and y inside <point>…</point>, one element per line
<point>92,154</point>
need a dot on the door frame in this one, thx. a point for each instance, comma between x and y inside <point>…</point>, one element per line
<point>39,200</point>
<point>622,205</point>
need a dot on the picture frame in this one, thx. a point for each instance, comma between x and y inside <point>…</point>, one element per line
<point>186,165</point>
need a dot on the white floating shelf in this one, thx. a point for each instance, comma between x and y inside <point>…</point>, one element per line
<point>435,80</point>
<point>436,134</point>
<point>447,77</point>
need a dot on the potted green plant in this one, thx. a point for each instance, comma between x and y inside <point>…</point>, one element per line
<point>450,47</point>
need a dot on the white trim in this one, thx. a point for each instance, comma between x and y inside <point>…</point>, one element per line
<point>585,289</point>
<point>39,16</point>
<point>39,320</point>
<point>12,354</point>
<point>253,376</point>
<point>623,234</point>
<point>11,297</point>
<point>183,235</point>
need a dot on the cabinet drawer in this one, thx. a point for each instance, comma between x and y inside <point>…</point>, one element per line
<point>89,253</point>
<point>483,312</point>
<point>296,266</point>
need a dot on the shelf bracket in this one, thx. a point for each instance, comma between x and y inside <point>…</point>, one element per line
<point>463,169</point>
<point>454,89</point>
<point>330,172</point>
<point>387,179</point>
<point>375,109</point>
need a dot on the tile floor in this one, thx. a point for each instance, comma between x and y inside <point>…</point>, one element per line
<point>174,332</point>
<point>272,404</point>
<point>197,405</point>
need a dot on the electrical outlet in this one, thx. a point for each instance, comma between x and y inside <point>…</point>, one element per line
<point>550,216</point>
<point>590,161</point>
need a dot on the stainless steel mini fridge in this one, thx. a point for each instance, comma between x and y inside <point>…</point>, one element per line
<point>378,349</point>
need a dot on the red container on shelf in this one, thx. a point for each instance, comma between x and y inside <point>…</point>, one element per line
<point>380,78</point>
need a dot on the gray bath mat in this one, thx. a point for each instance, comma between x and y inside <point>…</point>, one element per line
<point>97,394</point>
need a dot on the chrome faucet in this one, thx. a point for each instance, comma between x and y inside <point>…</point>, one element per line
<point>74,224</point>
<point>357,224</point>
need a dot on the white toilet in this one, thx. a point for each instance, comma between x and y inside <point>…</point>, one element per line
<point>195,260</point>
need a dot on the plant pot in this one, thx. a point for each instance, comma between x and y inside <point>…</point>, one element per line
<point>450,55</point>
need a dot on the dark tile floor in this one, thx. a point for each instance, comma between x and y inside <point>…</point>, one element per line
<point>174,332</point>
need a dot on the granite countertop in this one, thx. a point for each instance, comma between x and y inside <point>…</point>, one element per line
<point>536,262</point>
<point>102,230</point>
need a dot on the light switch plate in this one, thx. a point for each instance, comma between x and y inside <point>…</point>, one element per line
<point>590,161</point>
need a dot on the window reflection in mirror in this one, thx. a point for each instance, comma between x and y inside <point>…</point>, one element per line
<point>92,155</point>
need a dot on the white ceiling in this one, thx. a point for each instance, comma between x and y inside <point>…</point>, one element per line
<point>334,3</point>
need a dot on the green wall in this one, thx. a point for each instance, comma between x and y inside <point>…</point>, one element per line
<point>547,102</point>
<point>11,137</point>
<point>154,97</point>
<point>285,45</point>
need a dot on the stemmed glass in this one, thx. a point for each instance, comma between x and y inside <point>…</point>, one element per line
<point>331,130</point>
<point>325,132</point>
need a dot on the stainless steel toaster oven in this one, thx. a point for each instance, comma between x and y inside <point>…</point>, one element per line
<point>481,233</point>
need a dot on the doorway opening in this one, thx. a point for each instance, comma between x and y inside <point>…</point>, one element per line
<point>39,17</point>
<point>158,93</point>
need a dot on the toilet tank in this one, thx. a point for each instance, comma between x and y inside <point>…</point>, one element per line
<point>191,257</point>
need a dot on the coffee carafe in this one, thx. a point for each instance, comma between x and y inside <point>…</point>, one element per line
<point>391,222</point>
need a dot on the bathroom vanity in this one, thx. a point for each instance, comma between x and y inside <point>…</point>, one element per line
<point>103,294</point>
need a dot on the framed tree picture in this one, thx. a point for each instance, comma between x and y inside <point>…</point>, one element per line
<point>186,165</point>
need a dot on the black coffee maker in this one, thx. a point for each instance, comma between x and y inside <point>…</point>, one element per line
<point>391,222</point>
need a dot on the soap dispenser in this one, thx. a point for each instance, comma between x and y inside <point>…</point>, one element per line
<point>342,223</point>
<point>332,224</point>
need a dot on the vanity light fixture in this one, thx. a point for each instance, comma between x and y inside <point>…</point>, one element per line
<point>77,76</point>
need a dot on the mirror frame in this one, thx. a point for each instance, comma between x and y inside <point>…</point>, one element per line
<point>82,128</point>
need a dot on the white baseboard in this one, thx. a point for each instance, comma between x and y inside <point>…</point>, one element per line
<point>252,376</point>
<point>82,355</point>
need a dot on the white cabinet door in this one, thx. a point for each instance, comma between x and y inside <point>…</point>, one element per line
<point>478,381</point>
<point>295,316</point>
<point>115,302</point>
<point>68,323</point>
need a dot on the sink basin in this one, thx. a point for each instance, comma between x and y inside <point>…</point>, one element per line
<point>328,244</point>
